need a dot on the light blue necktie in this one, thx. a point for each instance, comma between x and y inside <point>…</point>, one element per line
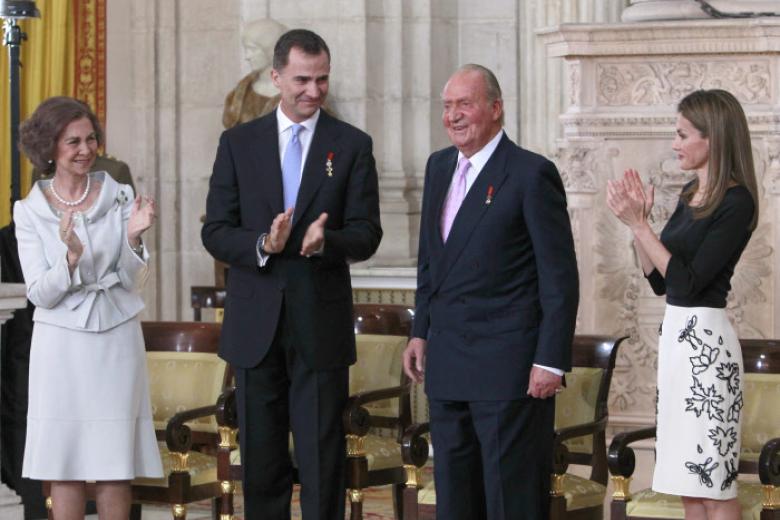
<point>291,168</point>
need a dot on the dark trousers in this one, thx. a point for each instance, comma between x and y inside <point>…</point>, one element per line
<point>280,395</point>
<point>492,459</point>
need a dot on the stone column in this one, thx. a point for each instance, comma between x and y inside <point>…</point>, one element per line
<point>12,296</point>
<point>649,10</point>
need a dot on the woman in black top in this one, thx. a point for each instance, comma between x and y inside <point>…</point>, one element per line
<point>699,358</point>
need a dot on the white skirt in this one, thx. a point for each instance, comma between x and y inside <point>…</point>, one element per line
<point>699,404</point>
<point>89,415</point>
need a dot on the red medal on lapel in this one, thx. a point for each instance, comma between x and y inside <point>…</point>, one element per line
<point>329,165</point>
<point>489,198</point>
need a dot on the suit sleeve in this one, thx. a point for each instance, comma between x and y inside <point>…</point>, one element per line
<point>46,284</point>
<point>544,210</point>
<point>223,235</point>
<point>131,268</point>
<point>358,237</point>
<point>423,293</point>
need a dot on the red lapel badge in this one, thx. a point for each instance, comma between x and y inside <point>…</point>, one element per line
<point>489,198</point>
<point>329,165</point>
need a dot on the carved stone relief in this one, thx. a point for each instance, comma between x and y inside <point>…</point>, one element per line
<point>666,82</point>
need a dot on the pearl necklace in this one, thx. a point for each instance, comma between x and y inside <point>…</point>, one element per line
<point>66,202</point>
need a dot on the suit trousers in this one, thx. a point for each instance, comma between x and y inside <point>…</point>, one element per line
<point>492,459</point>
<point>280,395</point>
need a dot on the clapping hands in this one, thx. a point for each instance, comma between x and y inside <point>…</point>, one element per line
<point>629,199</point>
<point>142,217</point>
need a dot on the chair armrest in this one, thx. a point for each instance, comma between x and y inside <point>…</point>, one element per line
<point>227,414</point>
<point>178,435</point>
<point>561,452</point>
<point>620,458</point>
<point>414,447</point>
<point>769,463</point>
<point>356,418</point>
<point>580,430</point>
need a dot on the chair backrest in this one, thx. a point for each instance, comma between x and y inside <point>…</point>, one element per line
<point>381,333</point>
<point>206,297</point>
<point>760,410</point>
<point>584,399</point>
<point>184,369</point>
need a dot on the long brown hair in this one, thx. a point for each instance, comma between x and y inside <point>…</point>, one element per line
<point>719,117</point>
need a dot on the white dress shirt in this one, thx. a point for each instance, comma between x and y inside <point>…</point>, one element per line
<point>305,135</point>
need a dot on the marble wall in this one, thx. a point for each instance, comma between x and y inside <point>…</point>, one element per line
<point>172,64</point>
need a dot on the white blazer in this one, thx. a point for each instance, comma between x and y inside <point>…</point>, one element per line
<point>102,292</point>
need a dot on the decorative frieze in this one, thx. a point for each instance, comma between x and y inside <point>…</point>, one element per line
<point>665,82</point>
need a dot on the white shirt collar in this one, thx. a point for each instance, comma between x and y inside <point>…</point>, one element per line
<point>285,122</point>
<point>479,159</point>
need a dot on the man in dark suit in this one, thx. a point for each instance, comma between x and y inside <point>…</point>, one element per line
<point>293,198</point>
<point>497,295</point>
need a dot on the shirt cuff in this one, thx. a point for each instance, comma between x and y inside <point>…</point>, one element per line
<point>262,258</point>
<point>556,371</point>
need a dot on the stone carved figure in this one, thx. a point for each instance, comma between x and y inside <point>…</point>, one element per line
<point>255,95</point>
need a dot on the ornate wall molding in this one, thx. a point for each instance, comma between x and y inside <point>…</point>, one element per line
<point>652,83</point>
<point>623,89</point>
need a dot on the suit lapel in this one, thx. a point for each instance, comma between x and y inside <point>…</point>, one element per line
<point>324,140</point>
<point>264,148</point>
<point>473,209</point>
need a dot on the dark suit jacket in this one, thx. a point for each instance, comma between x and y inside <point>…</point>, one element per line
<point>502,293</point>
<point>245,194</point>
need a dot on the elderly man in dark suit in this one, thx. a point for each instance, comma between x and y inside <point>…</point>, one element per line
<point>497,295</point>
<point>292,199</point>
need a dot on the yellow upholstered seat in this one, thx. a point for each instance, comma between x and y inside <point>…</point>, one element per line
<point>576,404</point>
<point>180,381</point>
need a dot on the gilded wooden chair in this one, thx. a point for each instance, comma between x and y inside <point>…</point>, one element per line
<point>580,422</point>
<point>375,419</point>
<point>185,380</point>
<point>760,452</point>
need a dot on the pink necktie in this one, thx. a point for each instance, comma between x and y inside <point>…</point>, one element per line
<point>454,198</point>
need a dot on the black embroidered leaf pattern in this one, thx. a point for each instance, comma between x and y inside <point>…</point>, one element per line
<point>689,333</point>
<point>708,332</point>
<point>722,439</point>
<point>731,474</point>
<point>704,360</point>
<point>704,400</point>
<point>729,372</point>
<point>703,470</point>
<point>735,409</point>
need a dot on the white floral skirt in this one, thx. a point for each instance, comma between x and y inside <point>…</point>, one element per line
<point>699,404</point>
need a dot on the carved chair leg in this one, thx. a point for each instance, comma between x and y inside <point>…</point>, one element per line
<point>770,514</point>
<point>179,511</point>
<point>557,507</point>
<point>617,510</point>
<point>226,509</point>
<point>356,504</point>
<point>46,491</point>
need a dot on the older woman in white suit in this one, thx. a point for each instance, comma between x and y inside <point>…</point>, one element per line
<point>79,235</point>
